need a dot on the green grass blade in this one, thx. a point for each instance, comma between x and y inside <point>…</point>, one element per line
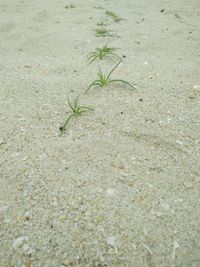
<point>96,82</point>
<point>100,72</point>
<point>114,55</point>
<point>82,111</point>
<point>113,15</point>
<point>109,57</point>
<point>122,81</point>
<point>65,124</point>
<point>94,58</point>
<point>70,105</point>
<point>113,70</point>
<point>86,108</point>
<point>92,54</point>
<point>76,103</point>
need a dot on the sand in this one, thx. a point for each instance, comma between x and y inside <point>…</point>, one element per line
<point>121,187</point>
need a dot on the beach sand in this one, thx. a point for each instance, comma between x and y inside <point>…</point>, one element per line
<point>121,187</point>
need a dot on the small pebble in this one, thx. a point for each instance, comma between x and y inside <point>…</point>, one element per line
<point>179,142</point>
<point>110,192</point>
<point>134,246</point>
<point>179,200</point>
<point>19,241</point>
<point>165,205</point>
<point>1,141</point>
<point>188,184</point>
<point>196,87</point>
<point>175,247</point>
<point>111,241</point>
<point>26,249</point>
<point>158,214</point>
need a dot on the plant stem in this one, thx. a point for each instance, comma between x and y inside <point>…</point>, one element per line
<point>66,122</point>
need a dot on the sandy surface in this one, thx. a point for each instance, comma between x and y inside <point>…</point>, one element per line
<point>122,186</point>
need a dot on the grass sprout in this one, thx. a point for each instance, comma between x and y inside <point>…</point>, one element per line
<point>70,6</point>
<point>113,15</point>
<point>104,80</point>
<point>98,7</point>
<point>103,53</point>
<point>102,32</point>
<point>102,24</point>
<point>76,110</point>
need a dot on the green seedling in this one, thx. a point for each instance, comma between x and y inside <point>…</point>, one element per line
<point>104,52</point>
<point>113,15</point>
<point>98,7</point>
<point>70,6</point>
<point>105,80</point>
<point>102,24</point>
<point>76,110</point>
<point>102,32</point>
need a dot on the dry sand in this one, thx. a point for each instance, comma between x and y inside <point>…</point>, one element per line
<point>122,186</point>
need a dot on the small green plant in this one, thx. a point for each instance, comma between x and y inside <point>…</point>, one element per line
<point>113,15</point>
<point>76,110</point>
<point>70,6</point>
<point>105,80</point>
<point>103,32</point>
<point>103,53</point>
<point>102,24</point>
<point>98,7</point>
